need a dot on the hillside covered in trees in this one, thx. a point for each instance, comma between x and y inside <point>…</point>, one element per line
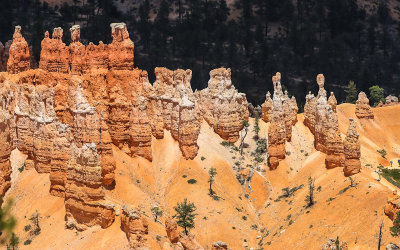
<point>347,40</point>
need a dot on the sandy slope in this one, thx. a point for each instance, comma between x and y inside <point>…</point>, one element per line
<point>354,215</point>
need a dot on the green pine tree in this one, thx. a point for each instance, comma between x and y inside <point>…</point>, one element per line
<point>376,94</point>
<point>212,173</point>
<point>185,215</point>
<point>351,92</point>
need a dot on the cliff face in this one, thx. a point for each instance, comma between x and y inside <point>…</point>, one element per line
<point>135,227</point>
<point>222,106</point>
<point>363,110</point>
<point>6,138</point>
<point>66,115</point>
<point>84,199</point>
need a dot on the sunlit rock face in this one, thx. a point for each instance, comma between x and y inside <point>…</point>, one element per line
<point>222,106</point>
<point>55,55</point>
<point>266,108</point>
<point>321,118</point>
<point>84,199</point>
<point>136,228</point>
<point>77,52</point>
<point>19,56</point>
<point>6,99</point>
<point>120,51</point>
<point>363,110</point>
<point>352,152</point>
<point>283,117</point>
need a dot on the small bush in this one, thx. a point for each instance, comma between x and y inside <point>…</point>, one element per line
<point>27,228</point>
<point>244,217</point>
<point>254,226</point>
<point>27,242</point>
<point>192,181</point>
<point>203,158</point>
<point>21,169</point>
<point>226,144</point>
<point>158,237</point>
<point>382,152</point>
<point>395,230</point>
<point>184,176</point>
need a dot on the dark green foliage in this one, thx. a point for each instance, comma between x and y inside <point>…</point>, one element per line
<point>21,168</point>
<point>392,175</point>
<point>376,95</point>
<point>192,181</point>
<point>157,212</point>
<point>351,92</point>
<point>395,229</point>
<point>288,192</point>
<point>185,215</point>
<point>382,152</point>
<point>7,221</point>
<point>35,221</point>
<point>212,173</point>
<point>27,228</point>
<point>27,242</point>
<point>14,241</point>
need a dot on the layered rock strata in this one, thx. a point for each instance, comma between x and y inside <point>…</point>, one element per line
<point>392,206</point>
<point>84,199</point>
<point>6,139</point>
<point>222,106</point>
<point>363,109</point>
<point>352,163</point>
<point>322,120</point>
<point>19,56</point>
<point>266,108</point>
<point>55,55</point>
<point>283,117</point>
<point>135,227</point>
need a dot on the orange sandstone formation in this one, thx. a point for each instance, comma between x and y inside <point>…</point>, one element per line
<point>84,199</point>
<point>363,110</point>
<point>266,108</point>
<point>96,56</point>
<point>135,227</point>
<point>391,100</point>
<point>352,164</point>
<point>332,101</point>
<point>277,134</point>
<point>19,57</point>
<point>77,52</point>
<point>6,140</point>
<point>54,56</point>
<point>180,240</point>
<point>59,161</point>
<point>283,117</point>
<point>121,48</point>
<point>322,120</point>
<point>392,206</point>
<point>309,112</point>
<point>222,106</point>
